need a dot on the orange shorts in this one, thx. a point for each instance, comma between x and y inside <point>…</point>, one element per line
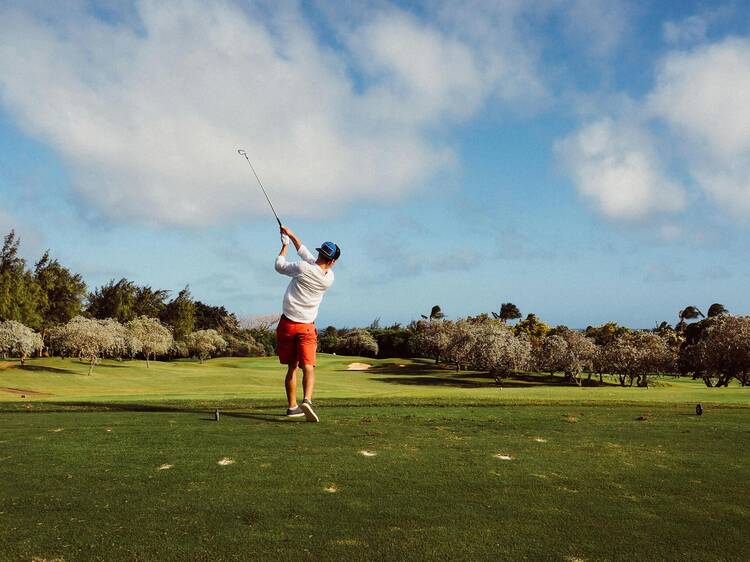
<point>296,342</point>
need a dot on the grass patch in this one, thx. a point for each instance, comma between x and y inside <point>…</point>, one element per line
<point>124,485</point>
<point>260,380</point>
<point>409,462</point>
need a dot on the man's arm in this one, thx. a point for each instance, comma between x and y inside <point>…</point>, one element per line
<point>284,267</point>
<point>302,251</point>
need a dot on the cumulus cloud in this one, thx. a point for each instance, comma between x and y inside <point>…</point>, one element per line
<point>694,28</point>
<point>614,166</point>
<point>702,94</point>
<point>148,117</point>
<point>601,24</point>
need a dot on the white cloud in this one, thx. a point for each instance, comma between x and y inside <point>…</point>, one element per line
<point>695,28</point>
<point>689,30</point>
<point>419,74</point>
<point>601,24</point>
<point>703,94</point>
<point>615,167</point>
<point>149,117</point>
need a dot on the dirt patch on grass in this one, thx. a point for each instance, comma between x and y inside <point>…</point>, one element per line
<point>20,391</point>
<point>6,364</point>
<point>358,366</point>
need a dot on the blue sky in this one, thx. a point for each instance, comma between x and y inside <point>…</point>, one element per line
<point>586,160</point>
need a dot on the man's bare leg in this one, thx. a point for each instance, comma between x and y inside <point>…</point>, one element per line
<point>308,381</point>
<point>291,385</point>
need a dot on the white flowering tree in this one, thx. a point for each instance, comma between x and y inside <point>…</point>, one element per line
<point>357,342</point>
<point>93,339</point>
<point>432,338</point>
<point>567,351</point>
<point>487,345</point>
<point>205,343</point>
<point>636,355</point>
<point>553,355</point>
<point>125,344</point>
<point>154,338</point>
<point>724,351</point>
<point>17,339</point>
<point>264,322</point>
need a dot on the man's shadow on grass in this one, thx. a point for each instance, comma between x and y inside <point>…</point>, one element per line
<point>208,412</point>
<point>45,369</point>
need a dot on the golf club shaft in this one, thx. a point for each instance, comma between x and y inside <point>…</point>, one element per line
<point>260,183</point>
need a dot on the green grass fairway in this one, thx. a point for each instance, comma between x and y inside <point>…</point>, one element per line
<point>408,464</point>
<point>261,379</point>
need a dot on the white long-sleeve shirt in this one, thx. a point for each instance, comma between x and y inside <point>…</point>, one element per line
<point>305,290</point>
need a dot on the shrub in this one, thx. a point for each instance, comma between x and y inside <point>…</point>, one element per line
<point>205,343</point>
<point>358,342</point>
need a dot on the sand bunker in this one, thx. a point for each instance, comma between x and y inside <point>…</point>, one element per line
<point>165,467</point>
<point>332,489</point>
<point>357,367</point>
<point>503,457</point>
<point>368,453</point>
<point>225,461</point>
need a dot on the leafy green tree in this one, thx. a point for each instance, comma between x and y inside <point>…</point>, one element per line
<point>716,309</point>
<point>217,318</point>
<point>21,297</point>
<point>605,333</point>
<point>508,311</point>
<point>532,327</point>
<point>328,340</point>
<point>393,341</point>
<point>180,314</point>
<point>149,302</point>
<point>64,291</point>
<point>114,300</point>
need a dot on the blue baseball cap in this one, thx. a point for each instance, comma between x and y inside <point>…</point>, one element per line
<point>330,250</point>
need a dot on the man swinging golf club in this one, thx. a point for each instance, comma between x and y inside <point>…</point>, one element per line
<point>296,336</point>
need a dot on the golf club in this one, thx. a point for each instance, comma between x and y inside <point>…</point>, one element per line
<point>243,153</point>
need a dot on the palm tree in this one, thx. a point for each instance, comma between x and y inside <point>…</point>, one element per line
<point>688,313</point>
<point>716,309</point>
<point>435,314</point>
<point>508,311</point>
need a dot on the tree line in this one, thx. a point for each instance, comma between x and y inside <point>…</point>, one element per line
<point>714,348</point>
<point>49,307</point>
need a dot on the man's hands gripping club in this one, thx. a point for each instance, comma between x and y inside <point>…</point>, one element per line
<point>286,236</point>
